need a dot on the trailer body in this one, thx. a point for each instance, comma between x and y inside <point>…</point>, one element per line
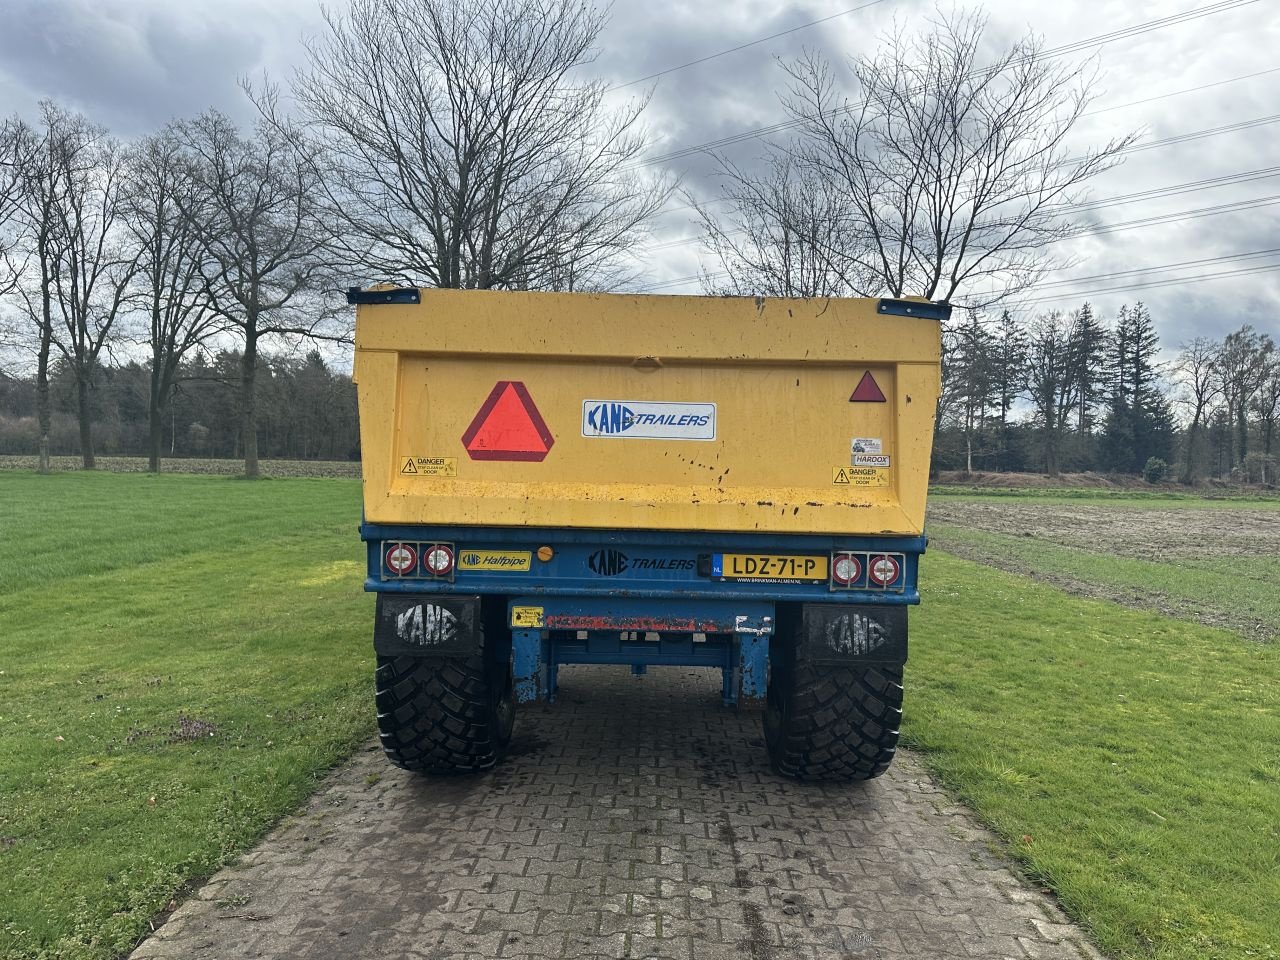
<point>736,483</point>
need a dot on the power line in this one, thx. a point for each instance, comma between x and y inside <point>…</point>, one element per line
<point>1196,214</point>
<point>1117,274</point>
<point>1156,193</point>
<point>1179,93</point>
<point>1202,134</point>
<point>1171,282</point>
<point>1138,29</point>
<point>744,46</point>
<point>1118,106</point>
<point>1159,193</point>
<point>1160,220</point>
<point>1122,288</point>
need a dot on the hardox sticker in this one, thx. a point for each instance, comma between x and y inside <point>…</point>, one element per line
<point>871,460</point>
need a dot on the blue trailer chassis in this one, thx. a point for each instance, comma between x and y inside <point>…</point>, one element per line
<point>637,598</point>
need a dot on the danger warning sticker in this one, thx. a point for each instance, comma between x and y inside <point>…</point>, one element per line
<point>527,617</point>
<point>429,467</point>
<point>860,476</point>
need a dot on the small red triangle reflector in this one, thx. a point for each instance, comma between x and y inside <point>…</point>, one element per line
<point>867,390</point>
<point>508,426</point>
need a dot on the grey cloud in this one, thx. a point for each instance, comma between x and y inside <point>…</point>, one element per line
<point>131,66</point>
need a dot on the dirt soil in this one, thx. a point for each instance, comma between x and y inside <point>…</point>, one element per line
<point>1154,535</point>
<point>1144,534</point>
<point>1071,481</point>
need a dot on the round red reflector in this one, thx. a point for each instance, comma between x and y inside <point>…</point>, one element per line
<point>845,569</point>
<point>401,558</point>
<point>883,570</point>
<point>438,560</point>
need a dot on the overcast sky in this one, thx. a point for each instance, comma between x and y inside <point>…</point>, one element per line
<point>134,64</point>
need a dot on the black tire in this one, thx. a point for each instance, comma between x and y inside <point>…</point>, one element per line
<point>832,723</point>
<point>446,715</point>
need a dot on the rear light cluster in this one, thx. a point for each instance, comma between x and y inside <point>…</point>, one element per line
<point>868,571</point>
<point>412,560</point>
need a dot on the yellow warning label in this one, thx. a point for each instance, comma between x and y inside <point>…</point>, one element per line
<point>495,560</point>
<point>860,476</point>
<point>530,618</point>
<point>429,467</point>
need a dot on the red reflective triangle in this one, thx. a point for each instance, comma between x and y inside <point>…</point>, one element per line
<point>867,390</point>
<point>508,426</point>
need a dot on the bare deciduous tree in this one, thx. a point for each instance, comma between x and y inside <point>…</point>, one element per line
<point>1266,404</point>
<point>953,179</point>
<point>785,236</point>
<point>1240,370</point>
<point>170,278</point>
<point>17,148</point>
<point>461,150</point>
<point>92,276</point>
<point>1195,369</point>
<point>257,213</point>
<point>61,189</point>
<point>1051,382</point>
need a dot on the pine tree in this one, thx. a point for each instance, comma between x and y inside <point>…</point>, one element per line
<point>1139,419</point>
<point>973,372</point>
<point>1009,377</point>
<point>1089,342</point>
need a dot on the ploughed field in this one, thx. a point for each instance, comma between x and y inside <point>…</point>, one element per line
<point>1213,561</point>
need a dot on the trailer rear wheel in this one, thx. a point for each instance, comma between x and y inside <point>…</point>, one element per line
<point>445,715</point>
<point>832,723</point>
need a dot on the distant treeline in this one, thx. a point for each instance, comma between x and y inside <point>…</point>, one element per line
<point>306,411</point>
<point>1073,392</point>
<point>1059,392</point>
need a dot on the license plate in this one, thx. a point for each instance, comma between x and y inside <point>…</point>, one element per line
<point>768,567</point>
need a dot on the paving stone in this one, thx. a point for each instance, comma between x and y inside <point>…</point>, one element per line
<point>635,818</point>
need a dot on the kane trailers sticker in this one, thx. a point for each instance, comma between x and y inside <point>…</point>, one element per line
<point>648,420</point>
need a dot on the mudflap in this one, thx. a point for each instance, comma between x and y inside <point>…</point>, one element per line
<point>427,626</point>
<point>841,633</point>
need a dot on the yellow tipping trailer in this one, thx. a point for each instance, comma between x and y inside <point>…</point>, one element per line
<point>587,478</point>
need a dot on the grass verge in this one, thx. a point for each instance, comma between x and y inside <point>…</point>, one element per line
<point>197,465</point>
<point>1132,761</point>
<point>182,658</point>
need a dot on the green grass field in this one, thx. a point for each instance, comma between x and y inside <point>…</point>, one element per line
<point>1131,760</point>
<point>180,659</point>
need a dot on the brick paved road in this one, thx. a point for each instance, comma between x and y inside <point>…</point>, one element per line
<point>637,818</point>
